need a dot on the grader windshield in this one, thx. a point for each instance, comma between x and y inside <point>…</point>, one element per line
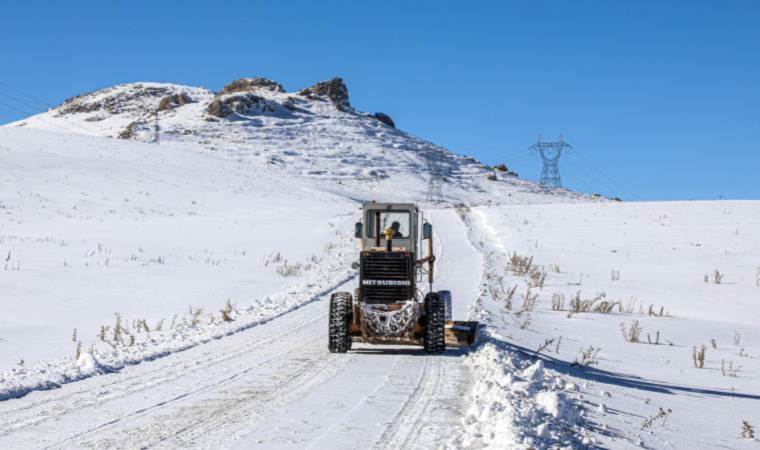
<point>399,221</point>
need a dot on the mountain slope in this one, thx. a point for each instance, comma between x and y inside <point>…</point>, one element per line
<point>313,134</point>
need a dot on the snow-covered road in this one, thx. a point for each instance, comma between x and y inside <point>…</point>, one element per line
<point>272,386</point>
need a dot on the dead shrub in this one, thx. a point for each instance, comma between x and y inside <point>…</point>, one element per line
<point>698,357</point>
<point>631,334</point>
<point>558,301</point>
<point>661,414</point>
<point>588,357</point>
<point>748,431</point>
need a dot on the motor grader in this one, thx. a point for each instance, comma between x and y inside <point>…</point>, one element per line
<point>389,306</point>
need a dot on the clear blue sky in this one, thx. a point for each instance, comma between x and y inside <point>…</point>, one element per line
<point>662,97</point>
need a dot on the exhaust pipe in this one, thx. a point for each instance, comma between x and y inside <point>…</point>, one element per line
<point>388,239</point>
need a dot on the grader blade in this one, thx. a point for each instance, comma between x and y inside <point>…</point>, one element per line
<point>460,333</point>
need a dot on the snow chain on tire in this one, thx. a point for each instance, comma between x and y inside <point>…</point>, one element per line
<point>340,308</point>
<point>435,321</point>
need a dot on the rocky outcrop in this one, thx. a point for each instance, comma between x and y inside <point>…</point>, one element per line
<point>174,101</point>
<point>384,118</point>
<point>334,89</point>
<point>225,106</point>
<point>114,100</point>
<point>130,131</point>
<point>249,84</point>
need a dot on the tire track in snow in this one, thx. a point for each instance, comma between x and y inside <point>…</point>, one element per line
<point>405,426</point>
<point>160,374</point>
<point>209,422</point>
<point>39,412</point>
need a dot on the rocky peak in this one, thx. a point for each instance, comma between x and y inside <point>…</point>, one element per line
<point>249,84</point>
<point>334,89</point>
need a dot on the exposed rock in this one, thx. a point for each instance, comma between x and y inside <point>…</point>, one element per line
<point>174,101</point>
<point>333,89</point>
<point>240,104</point>
<point>129,132</point>
<point>248,84</point>
<point>384,118</point>
<point>124,98</point>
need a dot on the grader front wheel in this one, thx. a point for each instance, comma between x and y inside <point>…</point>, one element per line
<point>340,309</point>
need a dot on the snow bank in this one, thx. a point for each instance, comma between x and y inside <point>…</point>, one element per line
<point>329,272</point>
<point>517,403</point>
<point>649,264</point>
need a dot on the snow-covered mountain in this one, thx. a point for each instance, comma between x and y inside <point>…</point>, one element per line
<point>313,134</point>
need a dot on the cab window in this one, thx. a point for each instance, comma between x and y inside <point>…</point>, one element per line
<point>399,221</point>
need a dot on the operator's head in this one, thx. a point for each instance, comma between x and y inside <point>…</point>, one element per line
<point>395,226</point>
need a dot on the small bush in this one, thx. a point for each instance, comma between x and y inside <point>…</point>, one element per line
<point>558,301</point>
<point>662,312</point>
<point>520,265</point>
<point>698,357</point>
<point>661,414</point>
<point>748,431</point>
<point>631,334</point>
<point>544,346</point>
<point>226,312</point>
<point>588,357</point>
<point>529,302</point>
<point>728,369</point>
<point>510,296</point>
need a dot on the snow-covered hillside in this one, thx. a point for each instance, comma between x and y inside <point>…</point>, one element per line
<point>313,134</point>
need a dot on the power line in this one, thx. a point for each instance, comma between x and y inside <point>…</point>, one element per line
<point>42,102</point>
<point>606,176</point>
<point>22,111</point>
<point>594,180</point>
<point>47,105</point>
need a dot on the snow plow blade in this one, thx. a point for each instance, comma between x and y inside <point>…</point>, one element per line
<point>460,334</point>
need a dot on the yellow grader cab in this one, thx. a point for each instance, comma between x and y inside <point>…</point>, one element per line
<point>389,306</point>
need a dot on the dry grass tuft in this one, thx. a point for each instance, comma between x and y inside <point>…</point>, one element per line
<point>589,356</point>
<point>748,431</point>
<point>631,334</point>
<point>661,414</point>
<point>698,357</point>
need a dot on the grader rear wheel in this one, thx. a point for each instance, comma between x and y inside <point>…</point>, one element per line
<point>435,322</point>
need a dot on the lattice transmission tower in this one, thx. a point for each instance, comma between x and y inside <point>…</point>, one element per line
<point>550,153</point>
<point>156,128</point>
<point>435,170</point>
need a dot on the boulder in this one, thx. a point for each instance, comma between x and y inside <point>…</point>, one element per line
<point>174,101</point>
<point>384,118</point>
<point>334,89</point>
<point>130,131</point>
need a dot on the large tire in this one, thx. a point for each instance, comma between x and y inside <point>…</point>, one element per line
<point>339,340</point>
<point>446,297</point>
<point>435,321</point>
